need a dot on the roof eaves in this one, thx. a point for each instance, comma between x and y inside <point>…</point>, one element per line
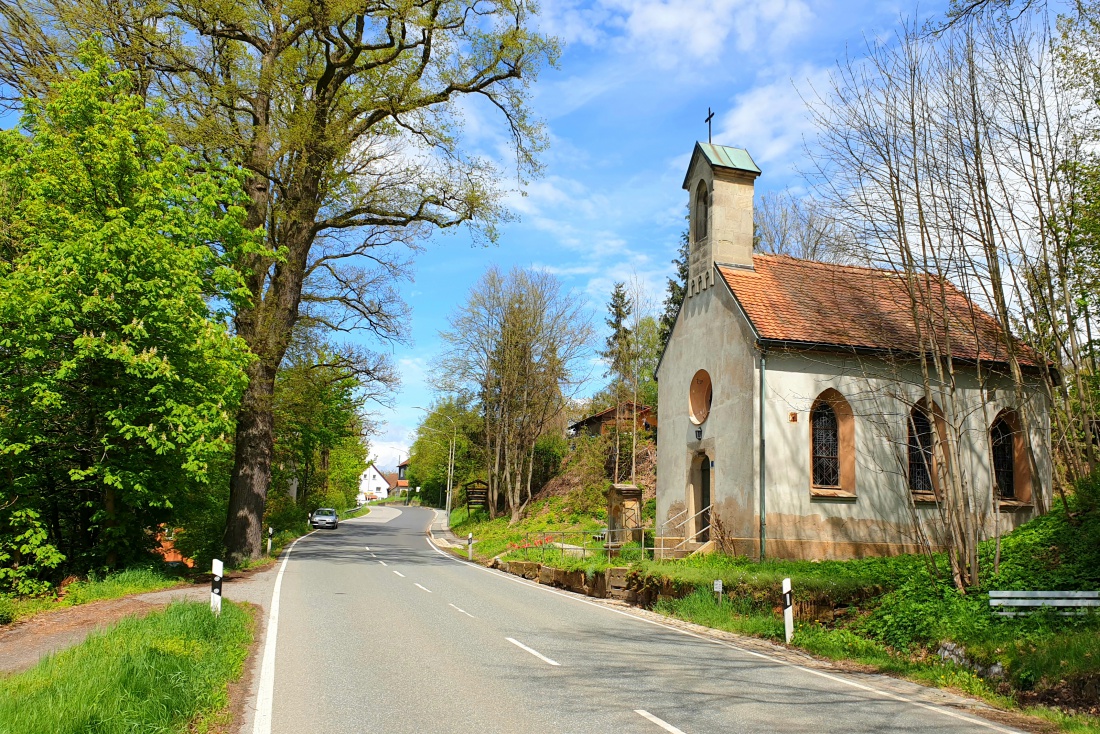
<point>729,289</point>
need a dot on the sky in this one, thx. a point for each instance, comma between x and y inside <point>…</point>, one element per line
<point>623,110</point>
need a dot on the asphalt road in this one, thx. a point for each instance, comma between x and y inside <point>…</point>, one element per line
<point>380,632</point>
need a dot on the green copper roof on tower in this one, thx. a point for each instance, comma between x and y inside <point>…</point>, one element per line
<point>723,156</point>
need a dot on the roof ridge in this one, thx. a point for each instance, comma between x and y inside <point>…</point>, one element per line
<point>831,265</point>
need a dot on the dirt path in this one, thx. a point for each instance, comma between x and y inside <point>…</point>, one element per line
<point>23,645</point>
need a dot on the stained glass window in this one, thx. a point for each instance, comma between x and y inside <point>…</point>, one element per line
<point>826,443</point>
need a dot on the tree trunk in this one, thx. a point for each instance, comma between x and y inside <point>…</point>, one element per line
<point>251,466</point>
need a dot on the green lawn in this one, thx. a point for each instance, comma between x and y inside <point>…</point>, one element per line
<point>165,672</point>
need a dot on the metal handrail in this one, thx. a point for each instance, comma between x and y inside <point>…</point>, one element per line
<point>697,514</point>
<point>689,538</point>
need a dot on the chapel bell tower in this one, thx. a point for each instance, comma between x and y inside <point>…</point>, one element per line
<point>720,183</point>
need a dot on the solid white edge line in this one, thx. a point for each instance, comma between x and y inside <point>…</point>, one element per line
<point>399,574</point>
<point>536,653</point>
<point>940,710</point>
<point>425,589</point>
<point>266,694</point>
<point>659,722</point>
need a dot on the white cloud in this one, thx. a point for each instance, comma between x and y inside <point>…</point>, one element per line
<point>674,32</point>
<point>771,120</point>
<point>388,454</point>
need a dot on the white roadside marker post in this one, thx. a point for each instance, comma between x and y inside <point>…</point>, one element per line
<point>216,588</point>
<point>788,611</point>
<point>270,532</point>
<point>470,546</point>
<point>718,590</point>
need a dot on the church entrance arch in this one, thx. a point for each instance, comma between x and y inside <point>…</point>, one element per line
<point>700,496</point>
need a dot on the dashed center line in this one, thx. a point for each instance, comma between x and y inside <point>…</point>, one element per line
<point>427,590</point>
<point>464,612</point>
<point>536,653</point>
<point>366,547</point>
<point>399,574</point>
<point>372,555</point>
<point>384,563</point>
<point>659,722</point>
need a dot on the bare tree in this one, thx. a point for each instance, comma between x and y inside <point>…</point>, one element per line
<point>801,227</point>
<point>515,348</point>
<point>945,157</point>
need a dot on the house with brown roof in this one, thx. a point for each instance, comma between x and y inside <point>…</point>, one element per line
<point>600,423</point>
<point>397,481</point>
<point>793,407</point>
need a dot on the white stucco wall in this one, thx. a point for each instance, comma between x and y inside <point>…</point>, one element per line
<point>710,334</point>
<point>372,482</point>
<point>880,394</point>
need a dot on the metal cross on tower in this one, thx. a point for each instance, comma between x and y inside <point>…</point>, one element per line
<point>710,116</point>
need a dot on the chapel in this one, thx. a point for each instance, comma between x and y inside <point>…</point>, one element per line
<point>793,413</point>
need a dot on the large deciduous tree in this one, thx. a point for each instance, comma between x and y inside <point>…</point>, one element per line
<point>117,381</point>
<point>348,117</point>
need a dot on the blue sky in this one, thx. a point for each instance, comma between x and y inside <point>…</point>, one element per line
<point>623,111</point>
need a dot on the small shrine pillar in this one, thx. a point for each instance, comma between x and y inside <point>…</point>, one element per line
<point>624,516</point>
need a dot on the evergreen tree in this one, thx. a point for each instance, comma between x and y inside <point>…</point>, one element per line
<point>619,345</point>
<point>677,288</point>
<point>619,354</point>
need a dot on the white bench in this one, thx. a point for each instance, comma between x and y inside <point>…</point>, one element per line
<point>1069,602</point>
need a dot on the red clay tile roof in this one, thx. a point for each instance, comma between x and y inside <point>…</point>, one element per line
<point>817,303</point>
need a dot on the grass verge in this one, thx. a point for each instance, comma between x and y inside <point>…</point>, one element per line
<point>112,586</point>
<point>165,672</point>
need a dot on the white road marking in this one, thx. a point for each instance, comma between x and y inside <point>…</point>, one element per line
<point>399,574</point>
<point>384,563</point>
<point>464,612</point>
<point>372,555</point>
<point>886,694</point>
<point>659,722</point>
<point>536,653</point>
<point>266,693</point>
<point>427,590</point>
<point>366,547</point>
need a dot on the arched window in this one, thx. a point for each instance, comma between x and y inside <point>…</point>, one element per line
<point>1011,470</point>
<point>1000,435</point>
<point>702,204</point>
<point>832,447</point>
<point>920,451</point>
<point>826,443</point>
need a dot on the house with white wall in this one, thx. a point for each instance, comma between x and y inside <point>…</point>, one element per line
<point>372,486</point>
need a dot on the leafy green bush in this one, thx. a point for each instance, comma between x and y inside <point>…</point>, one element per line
<point>7,610</point>
<point>922,613</point>
<point>1057,551</point>
<point>26,555</point>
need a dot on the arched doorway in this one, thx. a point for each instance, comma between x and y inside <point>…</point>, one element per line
<point>701,481</point>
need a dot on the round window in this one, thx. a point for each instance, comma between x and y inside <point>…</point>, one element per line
<point>699,397</point>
